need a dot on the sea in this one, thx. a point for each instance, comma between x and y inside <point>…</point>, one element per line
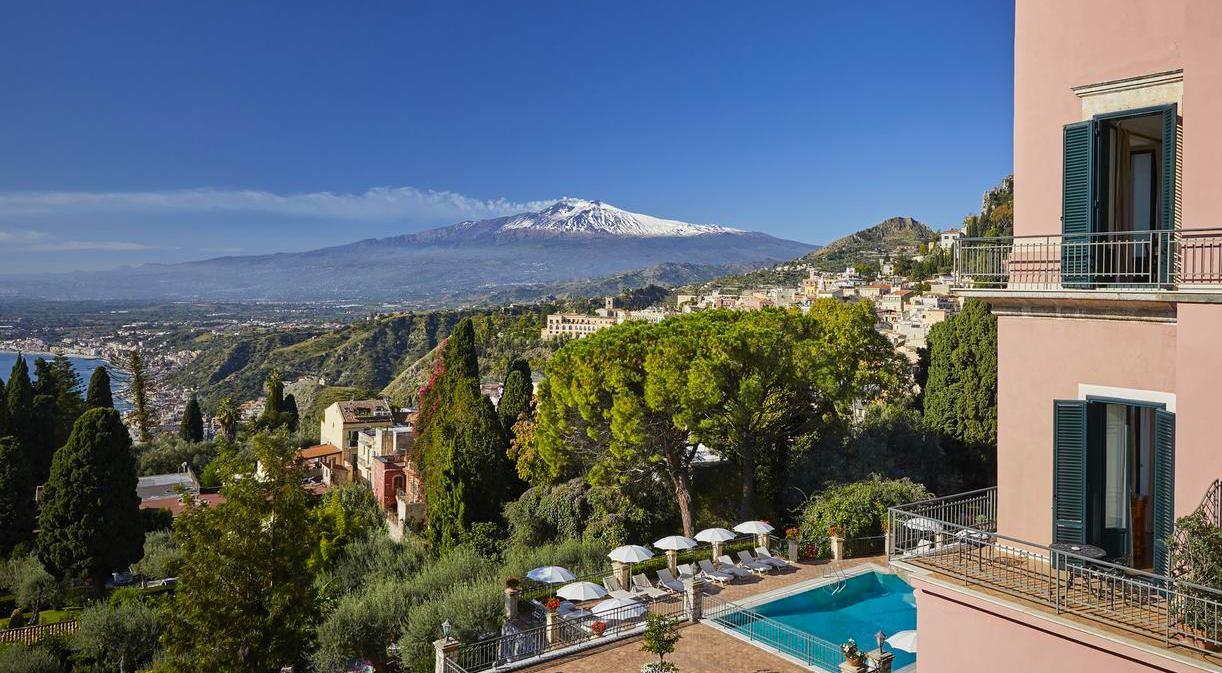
<point>83,366</point>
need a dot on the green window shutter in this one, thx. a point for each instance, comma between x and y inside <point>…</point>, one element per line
<point>1168,168</point>
<point>1164,486</point>
<point>1069,471</point>
<point>1077,202</point>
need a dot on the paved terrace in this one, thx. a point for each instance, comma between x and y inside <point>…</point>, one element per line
<point>704,649</point>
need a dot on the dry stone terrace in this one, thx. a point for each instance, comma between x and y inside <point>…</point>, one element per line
<point>703,648</point>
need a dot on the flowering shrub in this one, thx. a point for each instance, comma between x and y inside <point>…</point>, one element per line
<point>659,667</point>
<point>552,603</point>
<point>597,628</point>
<point>791,533</point>
<point>851,653</point>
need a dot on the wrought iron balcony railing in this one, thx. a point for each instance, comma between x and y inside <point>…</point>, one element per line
<point>956,536</point>
<point>1181,259</point>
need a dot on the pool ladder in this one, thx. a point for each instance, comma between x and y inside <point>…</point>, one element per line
<point>836,571</point>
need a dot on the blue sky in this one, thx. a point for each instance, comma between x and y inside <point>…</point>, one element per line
<point>166,131</point>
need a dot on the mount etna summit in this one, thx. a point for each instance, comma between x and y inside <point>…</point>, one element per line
<point>570,242</point>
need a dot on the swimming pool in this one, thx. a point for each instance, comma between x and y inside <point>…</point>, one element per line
<point>869,602</point>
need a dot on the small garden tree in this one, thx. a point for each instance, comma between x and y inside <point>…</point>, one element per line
<point>660,637</point>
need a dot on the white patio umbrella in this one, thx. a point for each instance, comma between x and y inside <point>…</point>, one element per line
<point>619,609</point>
<point>904,640</point>
<point>715,536</point>
<point>673,544</point>
<point>630,553</point>
<point>754,527</point>
<point>551,575</point>
<point>581,591</point>
<point>676,543</point>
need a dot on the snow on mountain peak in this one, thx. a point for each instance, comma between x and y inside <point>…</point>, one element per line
<point>579,216</point>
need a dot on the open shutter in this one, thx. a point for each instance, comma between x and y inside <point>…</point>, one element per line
<point>1069,471</point>
<point>1077,203</point>
<point>1167,186</point>
<point>1164,486</point>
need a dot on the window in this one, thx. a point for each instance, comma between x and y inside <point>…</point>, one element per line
<point>1119,188</point>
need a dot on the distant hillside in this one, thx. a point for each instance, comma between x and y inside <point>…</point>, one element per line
<point>365,355</point>
<point>889,238</point>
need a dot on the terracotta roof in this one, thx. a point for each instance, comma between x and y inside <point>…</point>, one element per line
<point>364,411</point>
<point>318,451</point>
<point>175,504</point>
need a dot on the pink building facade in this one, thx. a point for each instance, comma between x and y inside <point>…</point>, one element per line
<point>1109,309</point>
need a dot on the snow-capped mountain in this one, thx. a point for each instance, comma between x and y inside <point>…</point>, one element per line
<point>570,240</point>
<point>578,216</point>
<point>572,219</point>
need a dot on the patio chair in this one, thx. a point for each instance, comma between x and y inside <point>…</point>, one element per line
<point>747,561</point>
<point>686,570</point>
<point>668,582</point>
<point>774,561</point>
<point>612,585</point>
<point>712,574</point>
<point>641,585</point>
<point>740,568</point>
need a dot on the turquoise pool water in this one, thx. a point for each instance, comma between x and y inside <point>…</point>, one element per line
<point>869,602</point>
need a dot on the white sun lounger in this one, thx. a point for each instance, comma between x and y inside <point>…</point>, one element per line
<point>641,585</point>
<point>727,565</point>
<point>612,585</point>
<point>749,564</point>
<point>712,574</point>
<point>686,570</point>
<point>774,561</point>
<point>668,582</point>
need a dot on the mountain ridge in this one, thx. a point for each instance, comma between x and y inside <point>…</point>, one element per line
<point>571,240</point>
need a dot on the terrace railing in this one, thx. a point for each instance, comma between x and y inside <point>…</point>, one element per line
<point>1181,259</point>
<point>956,536</point>
<point>520,647</point>
<point>809,649</point>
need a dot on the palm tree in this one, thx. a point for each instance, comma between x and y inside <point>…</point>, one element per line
<point>227,417</point>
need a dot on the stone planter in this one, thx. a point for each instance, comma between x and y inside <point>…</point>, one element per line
<point>793,550</point>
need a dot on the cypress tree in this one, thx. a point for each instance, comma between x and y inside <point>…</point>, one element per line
<point>192,427</point>
<point>275,401</point>
<point>290,415</point>
<point>16,497</point>
<point>461,443</point>
<point>57,404</point>
<point>515,399</point>
<point>140,413</point>
<point>20,398</point>
<point>89,519</point>
<point>99,394</point>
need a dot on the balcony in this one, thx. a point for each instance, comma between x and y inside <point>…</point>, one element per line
<point>1130,262</point>
<point>956,538</point>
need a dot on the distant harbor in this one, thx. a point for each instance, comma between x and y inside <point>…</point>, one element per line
<point>83,365</point>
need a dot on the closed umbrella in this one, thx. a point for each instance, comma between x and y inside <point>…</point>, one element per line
<point>904,640</point>
<point>551,575</point>
<point>581,591</point>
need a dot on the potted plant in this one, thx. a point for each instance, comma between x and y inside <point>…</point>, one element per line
<point>598,628</point>
<point>852,653</point>
<point>791,539</point>
<point>552,604</point>
<point>1196,557</point>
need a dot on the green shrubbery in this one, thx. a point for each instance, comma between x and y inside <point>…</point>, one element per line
<point>859,509</point>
